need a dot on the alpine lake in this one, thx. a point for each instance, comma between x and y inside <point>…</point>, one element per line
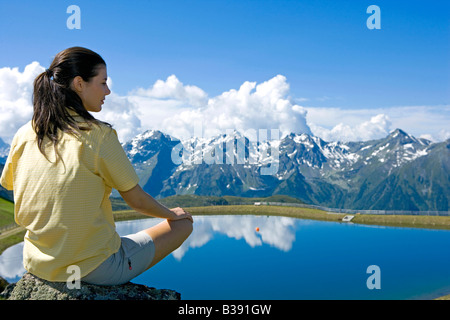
<point>276,257</point>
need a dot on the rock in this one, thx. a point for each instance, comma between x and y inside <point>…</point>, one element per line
<point>5,288</point>
<point>3,284</point>
<point>31,287</point>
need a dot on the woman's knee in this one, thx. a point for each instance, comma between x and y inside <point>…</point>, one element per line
<point>184,226</point>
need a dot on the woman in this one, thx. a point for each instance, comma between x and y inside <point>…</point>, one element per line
<point>62,167</point>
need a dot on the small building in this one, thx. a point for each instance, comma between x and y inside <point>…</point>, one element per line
<point>347,218</point>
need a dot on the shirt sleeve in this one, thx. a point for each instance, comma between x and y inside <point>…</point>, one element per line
<point>113,164</point>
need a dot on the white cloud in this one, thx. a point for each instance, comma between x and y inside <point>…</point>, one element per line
<point>332,124</point>
<point>263,106</point>
<point>16,109</point>
<point>277,232</point>
<point>11,265</point>
<point>172,88</point>
<point>442,135</point>
<point>179,110</point>
<point>377,127</point>
<point>16,90</point>
<point>122,114</point>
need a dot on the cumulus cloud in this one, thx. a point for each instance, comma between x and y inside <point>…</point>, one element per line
<point>159,105</point>
<point>333,124</point>
<point>253,106</point>
<point>16,90</point>
<point>180,110</point>
<point>122,114</point>
<point>174,89</point>
<point>183,110</point>
<point>16,109</point>
<point>377,127</point>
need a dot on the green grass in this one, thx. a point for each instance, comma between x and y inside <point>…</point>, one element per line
<point>6,212</point>
<point>304,213</point>
<point>433,222</point>
<point>7,218</point>
<point>11,240</point>
<point>429,222</point>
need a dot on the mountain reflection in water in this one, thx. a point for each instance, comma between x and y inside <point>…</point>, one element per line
<point>278,232</point>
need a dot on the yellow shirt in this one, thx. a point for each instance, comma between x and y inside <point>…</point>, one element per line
<point>64,205</point>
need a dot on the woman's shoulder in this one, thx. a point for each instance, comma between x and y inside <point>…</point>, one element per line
<point>25,132</point>
<point>98,132</point>
<point>92,127</point>
<point>104,129</point>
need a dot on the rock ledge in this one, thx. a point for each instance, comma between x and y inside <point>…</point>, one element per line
<point>31,287</point>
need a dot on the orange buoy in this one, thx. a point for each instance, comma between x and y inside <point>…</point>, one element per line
<point>257,229</point>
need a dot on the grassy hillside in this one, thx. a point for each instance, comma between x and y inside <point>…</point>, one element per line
<point>6,212</point>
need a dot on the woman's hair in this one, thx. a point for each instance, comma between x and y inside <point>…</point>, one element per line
<point>53,97</point>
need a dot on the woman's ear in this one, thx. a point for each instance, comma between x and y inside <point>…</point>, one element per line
<point>77,84</point>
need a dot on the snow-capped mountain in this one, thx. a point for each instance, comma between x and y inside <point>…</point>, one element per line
<point>334,174</point>
<point>4,150</point>
<point>399,172</point>
<point>150,154</point>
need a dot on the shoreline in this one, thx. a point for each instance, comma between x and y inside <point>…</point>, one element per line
<point>407,221</point>
<point>15,236</point>
<point>12,236</point>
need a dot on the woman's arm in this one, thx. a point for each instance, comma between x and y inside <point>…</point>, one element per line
<point>144,203</point>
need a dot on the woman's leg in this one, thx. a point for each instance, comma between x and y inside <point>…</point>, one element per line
<point>168,236</point>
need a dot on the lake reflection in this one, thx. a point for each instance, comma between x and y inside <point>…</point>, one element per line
<point>11,267</point>
<point>278,232</point>
<point>267,257</point>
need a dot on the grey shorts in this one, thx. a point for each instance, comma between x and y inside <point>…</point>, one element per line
<point>134,256</point>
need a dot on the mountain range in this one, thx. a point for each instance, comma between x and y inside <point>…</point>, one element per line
<point>398,172</point>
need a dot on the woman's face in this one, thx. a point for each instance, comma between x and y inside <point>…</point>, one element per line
<point>93,92</point>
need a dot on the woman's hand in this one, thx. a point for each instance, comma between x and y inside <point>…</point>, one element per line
<point>180,213</point>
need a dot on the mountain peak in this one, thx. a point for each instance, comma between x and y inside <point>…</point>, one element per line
<point>147,143</point>
<point>401,136</point>
<point>398,132</point>
<point>337,174</point>
<point>152,134</point>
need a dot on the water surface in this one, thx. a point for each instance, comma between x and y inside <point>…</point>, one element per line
<point>227,258</point>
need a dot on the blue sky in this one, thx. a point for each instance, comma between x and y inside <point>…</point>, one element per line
<point>329,57</point>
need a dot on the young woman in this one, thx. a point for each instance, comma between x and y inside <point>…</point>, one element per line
<point>62,167</point>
